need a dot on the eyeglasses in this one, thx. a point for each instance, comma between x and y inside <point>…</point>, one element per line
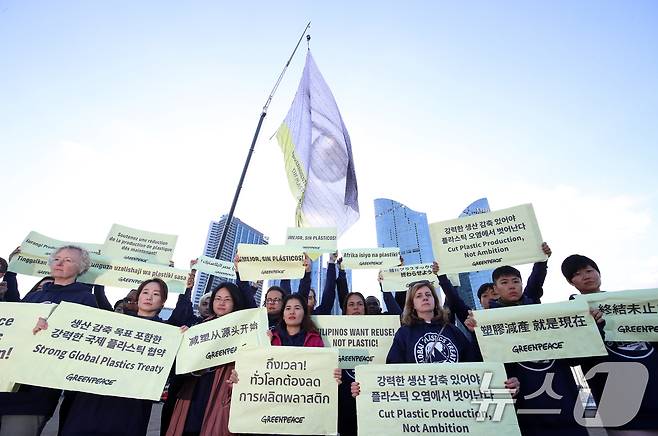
<point>223,300</point>
<point>273,300</point>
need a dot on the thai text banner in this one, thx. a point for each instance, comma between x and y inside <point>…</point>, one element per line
<point>284,390</point>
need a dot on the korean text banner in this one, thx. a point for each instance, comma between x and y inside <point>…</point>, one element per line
<point>360,339</point>
<point>284,390</point>
<point>629,315</point>
<point>488,240</point>
<point>106,272</point>
<point>258,262</point>
<point>312,239</point>
<point>215,267</point>
<point>16,323</point>
<point>370,258</point>
<point>91,350</point>
<point>41,245</point>
<point>538,332</point>
<point>135,245</point>
<point>221,340</point>
<point>399,278</point>
<point>450,398</point>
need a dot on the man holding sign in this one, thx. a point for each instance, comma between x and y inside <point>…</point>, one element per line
<point>583,273</point>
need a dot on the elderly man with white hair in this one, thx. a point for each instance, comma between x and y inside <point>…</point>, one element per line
<point>26,412</point>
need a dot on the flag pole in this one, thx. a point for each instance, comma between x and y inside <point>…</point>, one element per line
<point>229,218</point>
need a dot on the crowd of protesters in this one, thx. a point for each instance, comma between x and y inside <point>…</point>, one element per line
<point>199,403</point>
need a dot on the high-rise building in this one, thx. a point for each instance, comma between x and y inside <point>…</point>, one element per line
<point>238,233</point>
<point>400,226</point>
<point>470,282</point>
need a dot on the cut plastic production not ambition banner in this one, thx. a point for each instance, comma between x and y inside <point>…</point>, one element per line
<point>488,240</point>
<point>538,332</point>
<point>446,398</point>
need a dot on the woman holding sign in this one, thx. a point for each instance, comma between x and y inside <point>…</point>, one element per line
<point>295,327</point>
<point>91,414</point>
<point>203,403</point>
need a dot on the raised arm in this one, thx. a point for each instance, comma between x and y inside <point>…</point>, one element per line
<point>341,284</point>
<point>453,300</point>
<point>534,289</point>
<point>248,292</point>
<point>305,283</point>
<point>392,306</point>
<point>329,292</point>
<point>183,313</point>
<point>101,298</point>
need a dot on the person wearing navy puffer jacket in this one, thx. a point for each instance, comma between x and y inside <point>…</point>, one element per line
<point>26,412</point>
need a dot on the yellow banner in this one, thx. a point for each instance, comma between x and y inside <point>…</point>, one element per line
<point>259,262</point>
<point>215,267</point>
<point>538,332</point>
<point>435,399</point>
<point>135,245</point>
<point>399,278</point>
<point>629,315</point>
<point>370,258</point>
<point>16,323</point>
<point>100,352</point>
<point>488,240</point>
<point>312,240</point>
<point>106,272</point>
<point>41,245</point>
<point>285,390</point>
<point>360,339</point>
<point>221,340</point>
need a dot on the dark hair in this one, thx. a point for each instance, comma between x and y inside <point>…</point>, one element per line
<point>484,288</point>
<point>409,315</point>
<point>347,297</point>
<point>274,288</point>
<point>3,266</point>
<point>164,290</point>
<point>236,295</point>
<point>119,302</point>
<point>572,264</point>
<point>505,270</point>
<point>307,323</point>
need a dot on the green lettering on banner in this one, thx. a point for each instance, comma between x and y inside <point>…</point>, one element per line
<point>261,262</point>
<point>91,350</point>
<point>221,340</point>
<point>285,391</point>
<point>435,399</point>
<point>488,240</point>
<point>629,315</point>
<point>538,332</point>
<point>361,340</point>
<point>16,323</point>
<point>370,258</point>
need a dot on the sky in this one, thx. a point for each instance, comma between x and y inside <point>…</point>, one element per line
<point>141,113</point>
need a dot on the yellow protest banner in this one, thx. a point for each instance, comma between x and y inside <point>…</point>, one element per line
<point>312,239</point>
<point>449,398</point>
<point>370,258</point>
<point>135,245</point>
<point>629,315</point>
<point>399,278</point>
<point>41,245</point>
<point>360,339</point>
<point>258,262</point>
<point>538,332</point>
<point>215,267</point>
<point>16,323</point>
<point>91,350</point>
<point>221,340</point>
<point>106,272</point>
<point>285,390</point>
<point>488,240</point>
